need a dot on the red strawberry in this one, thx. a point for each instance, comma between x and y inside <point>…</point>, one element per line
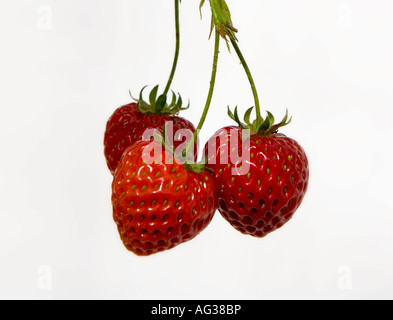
<point>129,122</point>
<point>264,197</point>
<point>159,206</point>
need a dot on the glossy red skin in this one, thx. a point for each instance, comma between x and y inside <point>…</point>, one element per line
<point>159,206</point>
<point>127,125</point>
<point>271,193</point>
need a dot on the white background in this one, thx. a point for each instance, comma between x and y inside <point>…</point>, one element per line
<point>65,66</point>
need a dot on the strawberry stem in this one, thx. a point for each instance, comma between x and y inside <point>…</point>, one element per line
<point>210,94</point>
<point>250,78</point>
<point>176,58</point>
<point>221,20</point>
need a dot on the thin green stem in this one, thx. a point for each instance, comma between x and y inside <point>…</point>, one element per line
<point>177,23</point>
<point>210,94</point>
<point>250,78</point>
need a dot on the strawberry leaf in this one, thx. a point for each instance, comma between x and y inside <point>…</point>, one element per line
<point>247,116</point>
<point>264,126</point>
<point>173,102</point>
<point>237,116</point>
<point>283,123</point>
<point>270,117</point>
<point>230,114</point>
<point>153,95</point>
<point>160,103</point>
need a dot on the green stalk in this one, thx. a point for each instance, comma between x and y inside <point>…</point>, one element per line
<point>250,78</point>
<point>177,23</point>
<point>210,94</point>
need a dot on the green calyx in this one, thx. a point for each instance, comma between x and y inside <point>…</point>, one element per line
<point>259,126</point>
<point>196,167</point>
<point>221,19</point>
<point>159,105</point>
<point>163,139</point>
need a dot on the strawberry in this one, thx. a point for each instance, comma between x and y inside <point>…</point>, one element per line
<point>158,206</point>
<point>128,123</point>
<point>264,196</point>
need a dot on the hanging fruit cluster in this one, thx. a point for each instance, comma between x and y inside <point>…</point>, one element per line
<point>253,175</point>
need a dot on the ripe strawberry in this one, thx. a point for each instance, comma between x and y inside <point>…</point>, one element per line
<point>265,197</point>
<point>159,206</point>
<point>129,122</point>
